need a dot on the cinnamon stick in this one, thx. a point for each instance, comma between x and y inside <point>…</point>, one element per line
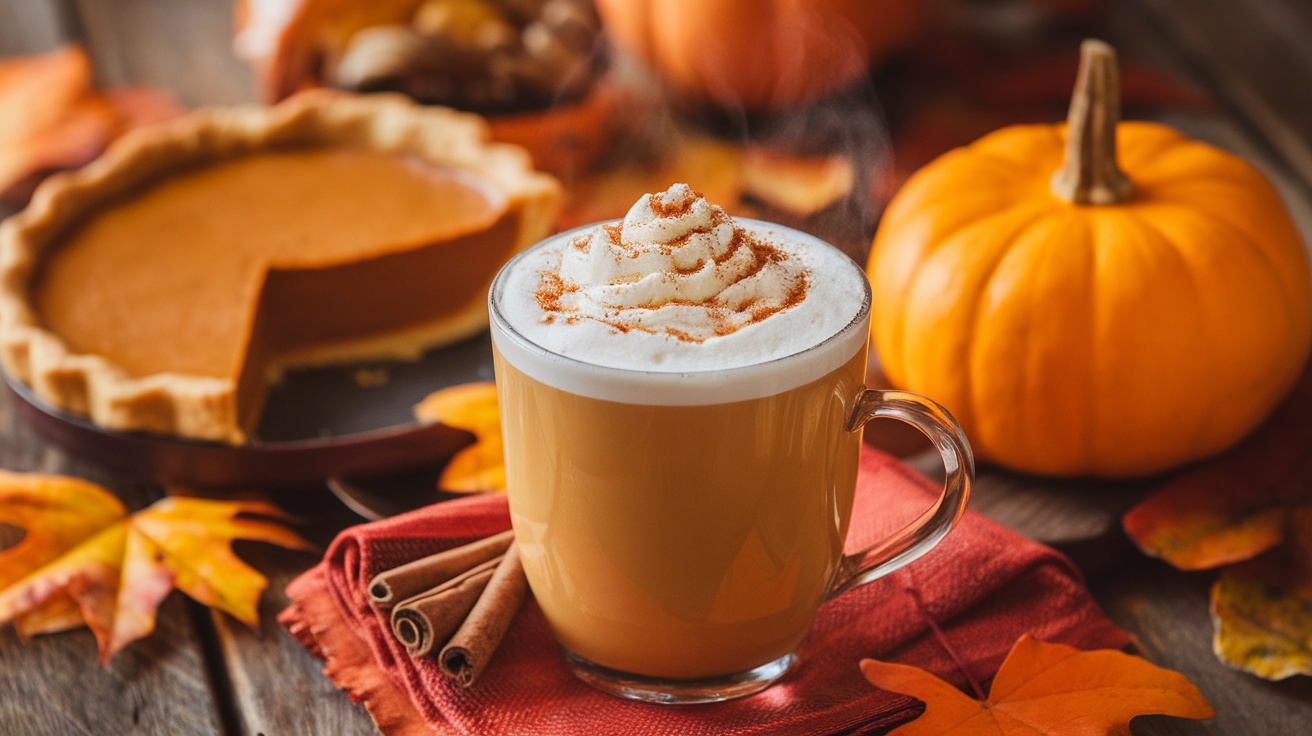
<point>472,646</point>
<point>431,617</point>
<point>409,580</point>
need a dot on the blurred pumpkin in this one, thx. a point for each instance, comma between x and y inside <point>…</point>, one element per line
<point>760,53</point>
<point>1145,306</point>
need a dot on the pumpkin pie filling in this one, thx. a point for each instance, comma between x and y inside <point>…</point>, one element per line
<point>165,288</point>
<point>272,259</point>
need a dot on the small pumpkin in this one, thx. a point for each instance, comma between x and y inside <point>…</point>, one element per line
<point>760,53</point>
<point>1146,305</point>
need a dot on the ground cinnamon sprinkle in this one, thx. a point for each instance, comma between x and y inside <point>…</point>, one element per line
<point>681,335</point>
<point>549,293</point>
<point>723,326</point>
<point>734,244</point>
<point>668,248</point>
<point>675,207</point>
<point>795,296</point>
<point>723,319</point>
<point>763,254</point>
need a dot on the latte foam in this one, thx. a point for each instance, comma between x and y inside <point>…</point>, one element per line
<point>679,296</point>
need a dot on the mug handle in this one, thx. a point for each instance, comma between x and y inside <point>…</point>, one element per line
<point>920,536</point>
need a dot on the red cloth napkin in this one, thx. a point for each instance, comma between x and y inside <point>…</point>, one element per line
<point>962,605</point>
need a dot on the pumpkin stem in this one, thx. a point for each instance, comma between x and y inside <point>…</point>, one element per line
<point>1090,174</point>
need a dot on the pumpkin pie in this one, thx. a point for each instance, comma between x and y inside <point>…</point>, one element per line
<point>164,287</point>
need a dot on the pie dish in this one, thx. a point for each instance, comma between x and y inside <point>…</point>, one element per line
<point>164,287</point>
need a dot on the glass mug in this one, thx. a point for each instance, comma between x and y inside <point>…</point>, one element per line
<point>680,549</point>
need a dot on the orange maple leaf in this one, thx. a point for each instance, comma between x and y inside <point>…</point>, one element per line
<point>51,118</point>
<point>1249,510</point>
<point>1048,689</point>
<point>81,547</point>
<point>47,119</point>
<point>472,407</point>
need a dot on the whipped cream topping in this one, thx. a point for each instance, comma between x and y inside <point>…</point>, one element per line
<point>678,288</point>
<point>676,266</point>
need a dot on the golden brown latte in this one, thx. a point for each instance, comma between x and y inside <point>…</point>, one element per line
<point>675,392</point>
<point>680,541</point>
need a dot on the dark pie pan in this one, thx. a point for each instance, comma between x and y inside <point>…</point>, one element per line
<point>339,422</point>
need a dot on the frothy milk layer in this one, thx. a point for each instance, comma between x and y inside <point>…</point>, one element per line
<point>678,304</point>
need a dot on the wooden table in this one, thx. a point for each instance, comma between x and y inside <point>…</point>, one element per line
<point>202,673</point>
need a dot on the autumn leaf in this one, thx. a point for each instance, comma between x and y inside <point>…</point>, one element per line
<point>1239,504</point>
<point>1249,511</point>
<point>81,547</point>
<point>51,118</point>
<point>47,120</point>
<point>1262,609</point>
<point>57,513</point>
<point>1047,689</point>
<point>473,408</point>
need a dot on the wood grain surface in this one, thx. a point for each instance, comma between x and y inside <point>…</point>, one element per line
<point>1256,56</point>
<point>275,686</point>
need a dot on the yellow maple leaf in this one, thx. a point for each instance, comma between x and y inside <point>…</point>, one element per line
<point>57,514</point>
<point>1262,608</point>
<point>473,408</point>
<point>82,547</point>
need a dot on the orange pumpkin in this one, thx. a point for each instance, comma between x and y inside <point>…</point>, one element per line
<point>760,53</point>
<point>1146,306</point>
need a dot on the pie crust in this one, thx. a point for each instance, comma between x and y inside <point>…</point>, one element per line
<point>205,406</point>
